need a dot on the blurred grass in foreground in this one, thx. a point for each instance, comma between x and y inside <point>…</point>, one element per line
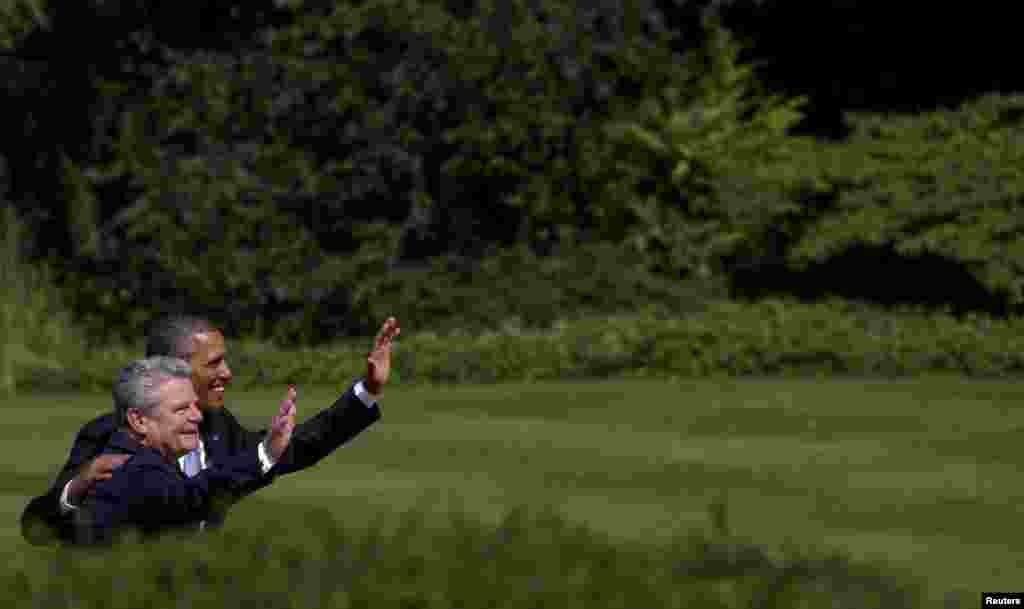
<point>531,559</point>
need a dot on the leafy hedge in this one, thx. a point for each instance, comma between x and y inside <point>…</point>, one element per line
<point>516,286</point>
<point>947,183</point>
<point>532,558</point>
<point>40,345</point>
<point>769,338</point>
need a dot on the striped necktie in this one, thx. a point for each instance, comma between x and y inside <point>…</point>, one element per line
<point>191,463</point>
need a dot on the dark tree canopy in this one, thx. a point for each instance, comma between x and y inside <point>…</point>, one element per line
<point>293,165</point>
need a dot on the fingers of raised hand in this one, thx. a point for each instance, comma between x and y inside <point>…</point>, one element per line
<point>388,332</point>
<point>286,416</point>
<point>289,400</point>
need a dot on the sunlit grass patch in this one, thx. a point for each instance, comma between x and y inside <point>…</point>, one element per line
<point>918,476</point>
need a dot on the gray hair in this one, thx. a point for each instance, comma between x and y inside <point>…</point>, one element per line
<point>172,335</point>
<point>137,384</point>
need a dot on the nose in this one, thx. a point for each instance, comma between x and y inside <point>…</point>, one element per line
<point>195,415</point>
<point>225,372</point>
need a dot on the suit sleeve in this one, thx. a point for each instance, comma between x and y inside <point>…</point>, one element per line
<point>43,522</point>
<point>320,435</point>
<point>155,498</point>
<point>311,441</point>
<point>315,438</point>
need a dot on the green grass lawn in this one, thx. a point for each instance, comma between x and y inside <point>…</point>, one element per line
<point>922,475</point>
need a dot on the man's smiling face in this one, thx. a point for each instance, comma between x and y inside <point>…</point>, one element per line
<point>210,372</point>
<point>172,428</point>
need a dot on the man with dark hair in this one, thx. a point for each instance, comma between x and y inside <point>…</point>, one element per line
<point>158,417</point>
<point>50,517</point>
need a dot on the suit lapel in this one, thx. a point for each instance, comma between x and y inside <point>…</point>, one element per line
<point>213,437</point>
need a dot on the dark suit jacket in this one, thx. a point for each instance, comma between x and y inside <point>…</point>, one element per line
<point>151,496</point>
<point>42,521</point>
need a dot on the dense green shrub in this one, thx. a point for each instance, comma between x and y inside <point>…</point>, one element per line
<point>40,345</point>
<point>769,338</point>
<point>949,183</point>
<point>703,166</point>
<point>17,19</point>
<point>277,181</point>
<point>532,558</point>
<point>290,181</point>
<point>515,287</point>
<point>290,164</point>
<point>939,190</point>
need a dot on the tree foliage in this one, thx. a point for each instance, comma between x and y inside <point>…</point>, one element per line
<point>297,167</point>
<point>17,19</point>
<point>706,165</point>
<point>287,179</point>
<point>948,183</point>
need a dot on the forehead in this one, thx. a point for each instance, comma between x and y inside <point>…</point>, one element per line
<point>209,345</point>
<point>176,392</point>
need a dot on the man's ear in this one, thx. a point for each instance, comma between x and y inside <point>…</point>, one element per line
<point>136,421</point>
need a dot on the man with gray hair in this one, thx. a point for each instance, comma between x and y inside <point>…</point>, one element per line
<point>50,517</point>
<point>158,413</point>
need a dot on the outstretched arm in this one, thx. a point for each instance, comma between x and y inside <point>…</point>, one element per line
<point>353,412</point>
<point>44,520</point>
<point>154,496</point>
<point>336,425</point>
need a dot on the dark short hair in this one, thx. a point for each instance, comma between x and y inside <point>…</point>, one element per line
<point>171,336</point>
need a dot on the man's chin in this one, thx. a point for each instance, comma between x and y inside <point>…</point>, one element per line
<point>189,442</point>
